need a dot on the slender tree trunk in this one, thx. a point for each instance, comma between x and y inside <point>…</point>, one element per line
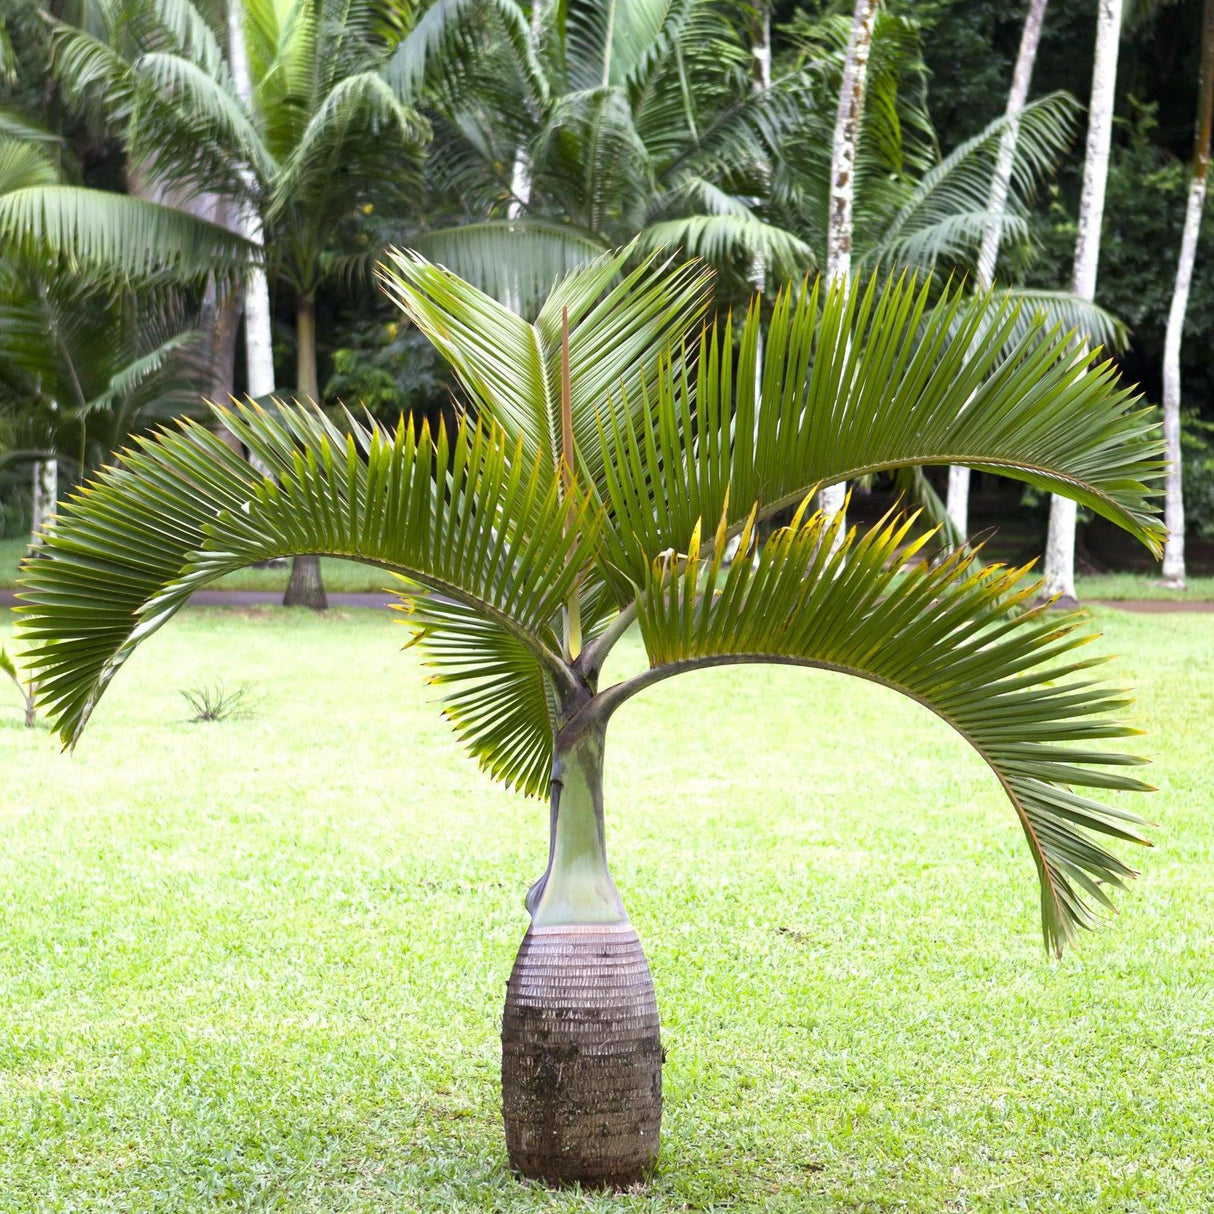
<point>259,340</point>
<point>46,494</point>
<point>760,82</point>
<point>1060,544</point>
<point>581,1050</point>
<point>1173,552</point>
<point>306,589</point>
<point>988,254</point>
<point>520,171</point>
<point>843,182</point>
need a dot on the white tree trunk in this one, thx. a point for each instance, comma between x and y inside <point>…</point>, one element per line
<point>1022,75</point>
<point>1060,546</point>
<point>258,335</point>
<point>760,82</point>
<point>46,494</point>
<point>1173,552</point>
<point>988,254</point>
<point>847,133</point>
<point>832,499</point>
<point>520,171</point>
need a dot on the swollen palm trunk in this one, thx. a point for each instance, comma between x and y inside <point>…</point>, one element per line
<point>581,1052</point>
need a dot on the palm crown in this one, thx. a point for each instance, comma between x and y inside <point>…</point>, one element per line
<point>605,472</point>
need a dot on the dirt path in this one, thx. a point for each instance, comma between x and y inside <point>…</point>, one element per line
<point>249,598</point>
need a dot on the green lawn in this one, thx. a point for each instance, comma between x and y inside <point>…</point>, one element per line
<point>352,577</point>
<point>348,576</point>
<point>259,965</point>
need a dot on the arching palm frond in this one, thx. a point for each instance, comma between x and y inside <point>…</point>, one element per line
<point>516,261</point>
<point>184,100</point>
<point>945,213</point>
<point>20,127</point>
<point>721,238</point>
<point>606,43</point>
<point>863,380</point>
<point>460,514</point>
<point>1066,310</point>
<point>499,545</point>
<point>359,115</point>
<point>444,41</point>
<point>940,635</point>
<point>119,237</point>
<point>147,376</point>
<point>24,165</point>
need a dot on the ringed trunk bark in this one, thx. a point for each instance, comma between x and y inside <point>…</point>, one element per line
<point>306,588</point>
<point>581,1050</point>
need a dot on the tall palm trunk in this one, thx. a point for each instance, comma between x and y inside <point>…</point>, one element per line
<point>306,589</point>
<point>259,341</point>
<point>843,180</point>
<point>45,495</point>
<point>520,171</point>
<point>760,82</point>
<point>1173,552</point>
<point>1060,543</point>
<point>581,1050</point>
<point>988,254</point>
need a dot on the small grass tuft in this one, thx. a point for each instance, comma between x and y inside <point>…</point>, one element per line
<point>215,702</point>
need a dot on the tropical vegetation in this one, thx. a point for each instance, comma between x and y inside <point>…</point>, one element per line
<point>596,329</point>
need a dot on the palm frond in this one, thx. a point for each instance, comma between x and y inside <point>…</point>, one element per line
<point>444,37</point>
<point>357,109</point>
<point>860,380</point>
<point>20,127</point>
<point>619,322</point>
<point>1066,310</point>
<point>138,373</point>
<point>118,237</point>
<point>494,691</point>
<point>940,635</point>
<point>721,238</point>
<point>516,261</point>
<point>201,103</point>
<point>462,514</point>
<point>24,165</point>
<point>945,213</point>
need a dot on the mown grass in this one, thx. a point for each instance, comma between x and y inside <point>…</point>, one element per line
<point>259,965</point>
<point>350,577</point>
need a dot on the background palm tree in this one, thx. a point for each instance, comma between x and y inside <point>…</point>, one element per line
<point>86,357</point>
<point>1001,180</point>
<point>844,148</point>
<point>619,449</point>
<point>321,135</point>
<point>637,121</point>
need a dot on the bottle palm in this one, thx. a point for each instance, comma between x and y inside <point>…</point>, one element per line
<point>619,445</point>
